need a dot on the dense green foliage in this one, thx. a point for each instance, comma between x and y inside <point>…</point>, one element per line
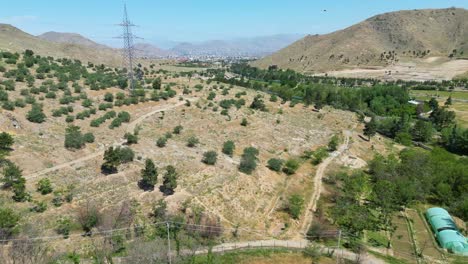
<point>248,161</point>
<point>295,205</point>
<point>149,175</point>
<point>228,148</point>
<point>210,157</point>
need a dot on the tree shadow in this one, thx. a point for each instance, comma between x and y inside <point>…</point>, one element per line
<point>145,187</point>
<point>166,191</point>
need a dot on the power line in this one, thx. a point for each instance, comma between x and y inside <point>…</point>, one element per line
<point>128,49</point>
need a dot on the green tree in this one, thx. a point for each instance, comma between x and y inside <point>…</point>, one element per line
<point>11,175</point>
<point>19,190</point>
<point>333,143</point>
<point>131,138</point>
<point>149,175</point>
<point>258,104</point>
<point>370,128</point>
<point>108,97</point>
<point>275,164</point>
<point>403,138</point>
<point>8,223</point>
<point>73,138</point>
<point>6,141</point>
<point>44,186</point>
<point>228,148</point>
<point>291,166</point>
<point>36,115</point>
<point>161,142</point>
<point>422,131</point>
<point>156,84</point>
<point>178,129</point>
<point>433,104</point>
<point>64,226</point>
<point>295,205</point>
<point>111,161</point>
<point>170,180</point>
<point>248,161</point>
<point>210,157</point>
<point>192,141</point>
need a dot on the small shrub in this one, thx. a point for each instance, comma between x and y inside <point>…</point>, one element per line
<point>275,164</point>
<point>44,186</point>
<point>210,157</point>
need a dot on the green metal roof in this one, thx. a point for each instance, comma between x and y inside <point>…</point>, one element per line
<point>453,241</point>
<point>446,231</point>
<point>436,211</point>
<point>440,220</point>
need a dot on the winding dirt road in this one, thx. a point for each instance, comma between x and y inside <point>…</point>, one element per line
<point>312,205</point>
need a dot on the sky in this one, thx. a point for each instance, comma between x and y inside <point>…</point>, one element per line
<point>166,22</point>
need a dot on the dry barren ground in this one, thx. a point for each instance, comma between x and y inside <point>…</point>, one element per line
<point>249,201</point>
<point>433,68</point>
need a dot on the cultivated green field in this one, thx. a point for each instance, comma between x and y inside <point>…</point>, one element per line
<point>426,95</point>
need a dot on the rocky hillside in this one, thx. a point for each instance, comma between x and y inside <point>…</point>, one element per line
<point>71,38</point>
<point>379,41</point>
<point>14,40</point>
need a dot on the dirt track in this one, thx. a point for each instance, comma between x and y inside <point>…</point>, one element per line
<point>312,205</point>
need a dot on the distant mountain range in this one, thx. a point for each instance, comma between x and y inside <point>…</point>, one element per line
<point>58,45</point>
<point>379,41</point>
<point>253,47</point>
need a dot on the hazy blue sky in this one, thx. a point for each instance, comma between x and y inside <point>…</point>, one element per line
<point>198,20</point>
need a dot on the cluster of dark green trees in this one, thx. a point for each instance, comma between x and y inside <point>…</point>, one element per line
<point>368,200</point>
<point>386,102</point>
<point>149,178</point>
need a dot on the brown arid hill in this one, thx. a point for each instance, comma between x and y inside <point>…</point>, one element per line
<point>14,40</point>
<point>382,40</point>
<point>71,38</point>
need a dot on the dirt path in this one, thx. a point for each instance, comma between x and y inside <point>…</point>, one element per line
<point>291,244</point>
<point>312,205</point>
<point>130,128</point>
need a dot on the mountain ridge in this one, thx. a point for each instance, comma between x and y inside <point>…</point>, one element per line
<point>380,40</point>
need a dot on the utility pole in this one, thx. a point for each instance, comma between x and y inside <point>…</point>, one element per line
<point>339,242</point>
<point>168,243</point>
<point>128,49</point>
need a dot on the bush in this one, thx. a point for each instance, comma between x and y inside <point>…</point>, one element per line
<point>258,104</point>
<point>244,122</point>
<point>88,137</point>
<point>210,157</point>
<point>295,205</point>
<point>275,164</point>
<point>248,160</point>
<point>8,222</point>
<point>7,105</point>
<point>44,186</point>
<point>319,155</point>
<point>291,166</point>
<point>192,141</point>
<point>69,119</point>
<point>131,138</point>
<point>73,138</point>
<point>161,142</point>
<point>333,143</point>
<point>149,175</point>
<point>228,148</point>
<point>108,97</point>
<point>39,207</point>
<point>64,226</point>
<point>178,129</point>
<point>36,115</point>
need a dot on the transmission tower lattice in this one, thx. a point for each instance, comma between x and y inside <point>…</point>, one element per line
<point>128,49</point>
